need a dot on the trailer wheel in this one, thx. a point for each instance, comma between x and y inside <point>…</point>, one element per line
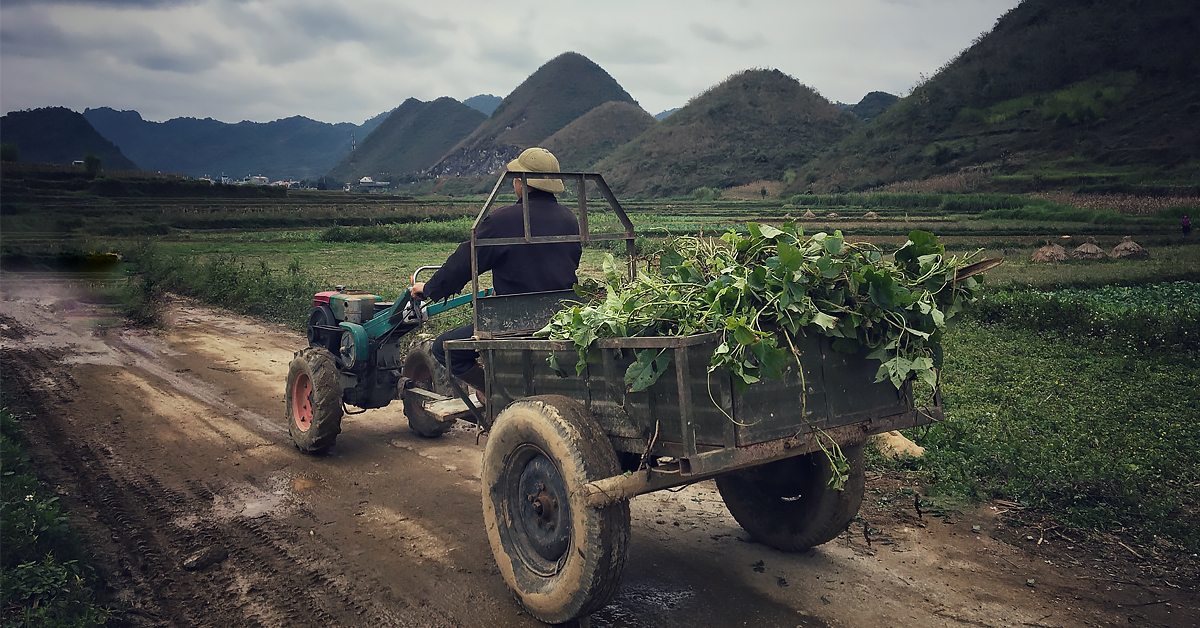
<point>426,372</point>
<point>787,505</point>
<point>562,558</point>
<point>313,401</point>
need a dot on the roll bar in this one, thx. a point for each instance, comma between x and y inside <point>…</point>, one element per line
<point>581,179</point>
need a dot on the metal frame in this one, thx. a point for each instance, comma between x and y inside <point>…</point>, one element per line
<point>581,179</point>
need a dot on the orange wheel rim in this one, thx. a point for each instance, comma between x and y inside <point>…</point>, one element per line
<point>302,412</point>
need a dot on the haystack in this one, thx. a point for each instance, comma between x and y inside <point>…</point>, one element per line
<point>871,215</point>
<point>1088,250</point>
<point>1050,254</point>
<point>809,215</point>
<point>1128,249</point>
<point>832,215</point>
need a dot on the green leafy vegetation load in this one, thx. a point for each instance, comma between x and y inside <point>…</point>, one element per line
<point>765,290</point>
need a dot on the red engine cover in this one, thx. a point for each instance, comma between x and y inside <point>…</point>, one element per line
<point>322,298</point>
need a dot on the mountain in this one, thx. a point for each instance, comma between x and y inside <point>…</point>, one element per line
<point>410,140</point>
<point>663,115</point>
<point>372,123</point>
<point>295,148</point>
<point>872,105</point>
<point>597,133</point>
<point>60,136</point>
<point>560,91</point>
<point>753,126</point>
<point>484,103</point>
<point>1058,93</point>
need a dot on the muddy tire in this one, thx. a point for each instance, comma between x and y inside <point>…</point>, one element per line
<point>787,505</point>
<point>427,373</point>
<point>562,558</point>
<point>314,401</point>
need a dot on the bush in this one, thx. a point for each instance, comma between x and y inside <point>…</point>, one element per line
<point>224,280</point>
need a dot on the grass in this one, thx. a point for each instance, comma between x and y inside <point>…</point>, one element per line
<point>45,580</point>
<point>1099,433</point>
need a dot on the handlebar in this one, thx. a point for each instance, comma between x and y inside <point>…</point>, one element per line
<point>418,271</point>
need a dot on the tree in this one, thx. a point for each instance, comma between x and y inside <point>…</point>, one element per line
<point>9,152</point>
<point>92,163</point>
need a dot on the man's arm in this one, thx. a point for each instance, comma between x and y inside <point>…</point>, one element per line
<point>450,279</point>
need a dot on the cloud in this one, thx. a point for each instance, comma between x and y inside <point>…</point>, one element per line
<point>715,36</point>
<point>35,38</point>
<point>629,49</point>
<point>337,60</point>
<point>123,4</point>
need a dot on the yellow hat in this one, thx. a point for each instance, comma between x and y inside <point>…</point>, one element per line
<point>538,160</point>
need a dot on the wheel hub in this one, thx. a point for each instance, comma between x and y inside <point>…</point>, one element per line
<point>302,411</point>
<point>539,513</point>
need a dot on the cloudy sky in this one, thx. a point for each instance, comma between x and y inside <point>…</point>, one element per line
<point>347,60</point>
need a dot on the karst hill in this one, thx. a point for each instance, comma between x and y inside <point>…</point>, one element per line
<point>754,125</point>
<point>409,140</point>
<point>597,133</point>
<point>1099,94</point>
<point>58,135</point>
<point>562,90</point>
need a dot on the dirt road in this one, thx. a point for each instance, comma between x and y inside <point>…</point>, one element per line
<point>171,445</point>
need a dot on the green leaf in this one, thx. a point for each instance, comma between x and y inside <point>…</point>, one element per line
<point>833,245</point>
<point>824,321</point>
<point>790,257</point>
<point>669,261</point>
<point>744,335</point>
<point>771,360</point>
<point>769,232</point>
<point>554,366</point>
<point>646,369</point>
<point>611,275</point>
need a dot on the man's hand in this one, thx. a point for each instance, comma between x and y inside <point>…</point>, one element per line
<point>417,291</point>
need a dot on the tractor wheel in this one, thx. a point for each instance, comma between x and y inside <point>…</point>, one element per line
<point>788,506</point>
<point>561,557</point>
<point>322,315</point>
<point>427,373</point>
<point>314,401</point>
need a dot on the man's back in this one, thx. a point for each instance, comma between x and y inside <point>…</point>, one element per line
<point>516,268</point>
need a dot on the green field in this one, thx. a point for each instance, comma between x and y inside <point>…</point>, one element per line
<point>1058,371</point>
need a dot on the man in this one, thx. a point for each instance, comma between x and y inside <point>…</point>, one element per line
<point>516,269</point>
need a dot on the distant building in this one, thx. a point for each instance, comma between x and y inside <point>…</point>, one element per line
<point>369,185</point>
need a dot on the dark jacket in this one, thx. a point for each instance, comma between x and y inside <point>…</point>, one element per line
<point>516,268</point>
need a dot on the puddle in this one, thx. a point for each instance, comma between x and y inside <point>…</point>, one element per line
<point>643,604</point>
<point>249,502</point>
